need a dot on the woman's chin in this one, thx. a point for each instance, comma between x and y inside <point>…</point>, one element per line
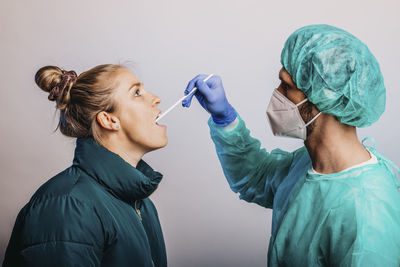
<point>163,144</point>
<point>159,145</point>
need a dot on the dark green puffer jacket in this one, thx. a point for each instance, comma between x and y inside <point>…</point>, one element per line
<point>95,213</point>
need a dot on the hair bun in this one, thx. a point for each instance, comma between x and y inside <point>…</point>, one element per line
<point>54,80</point>
<point>67,79</point>
<point>47,77</point>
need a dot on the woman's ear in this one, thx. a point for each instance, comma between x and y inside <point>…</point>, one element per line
<point>108,121</point>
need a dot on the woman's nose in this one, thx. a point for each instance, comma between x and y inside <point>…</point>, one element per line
<point>156,100</point>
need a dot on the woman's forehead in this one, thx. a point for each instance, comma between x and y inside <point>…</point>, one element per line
<point>124,79</point>
<point>125,74</point>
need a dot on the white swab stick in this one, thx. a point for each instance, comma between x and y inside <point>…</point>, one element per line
<point>181,99</point>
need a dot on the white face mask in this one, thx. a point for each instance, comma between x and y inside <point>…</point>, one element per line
<point>284,117</point>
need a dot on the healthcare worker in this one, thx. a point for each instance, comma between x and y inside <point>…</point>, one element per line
<point>97,212</point>
<point>335,201</point>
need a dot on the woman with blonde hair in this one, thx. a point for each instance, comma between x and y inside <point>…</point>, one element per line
<point>96,212</point>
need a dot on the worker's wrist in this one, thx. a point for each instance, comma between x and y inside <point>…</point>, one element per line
<point>232,126</point>
<point>223,120</point>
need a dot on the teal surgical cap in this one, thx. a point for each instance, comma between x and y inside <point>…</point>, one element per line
<point>337,73</point>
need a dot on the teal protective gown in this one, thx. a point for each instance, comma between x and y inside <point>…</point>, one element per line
<point>350,218</point>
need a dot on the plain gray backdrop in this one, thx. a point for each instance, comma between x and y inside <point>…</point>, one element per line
<point>168,43</point>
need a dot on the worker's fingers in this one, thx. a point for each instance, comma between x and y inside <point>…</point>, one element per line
<point>187,101</point>
<point>192,83</point>
<point>201,99</point>
<point>214,82</point>
<point>203,88</point>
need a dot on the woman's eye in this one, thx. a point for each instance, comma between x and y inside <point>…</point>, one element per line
<point>137,92</point>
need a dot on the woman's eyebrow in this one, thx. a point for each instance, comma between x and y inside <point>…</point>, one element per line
<point>134,85</point>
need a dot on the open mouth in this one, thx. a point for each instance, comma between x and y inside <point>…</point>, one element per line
<point>157,118</point>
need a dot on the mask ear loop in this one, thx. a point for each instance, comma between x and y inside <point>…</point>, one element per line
<point>302,102</point>
<point>313,119</point>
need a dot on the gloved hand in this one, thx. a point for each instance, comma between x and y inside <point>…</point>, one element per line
<point>211,96</point>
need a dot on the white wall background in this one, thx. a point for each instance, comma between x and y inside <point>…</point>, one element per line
<point>169,42</point>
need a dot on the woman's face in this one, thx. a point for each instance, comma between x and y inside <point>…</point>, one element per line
<point>137,110</point>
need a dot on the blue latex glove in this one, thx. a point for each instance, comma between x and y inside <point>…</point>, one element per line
<point>211,96</point>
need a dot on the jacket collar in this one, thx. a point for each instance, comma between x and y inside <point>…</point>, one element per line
<point>111,171</point>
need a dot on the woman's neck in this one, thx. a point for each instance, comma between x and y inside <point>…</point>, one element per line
<point>129,152</point>
<point>334,147</point>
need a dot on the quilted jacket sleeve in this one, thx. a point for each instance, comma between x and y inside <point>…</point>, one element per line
<point>56,231</point>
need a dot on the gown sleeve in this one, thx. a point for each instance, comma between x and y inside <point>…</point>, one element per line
<point>250,170</point>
